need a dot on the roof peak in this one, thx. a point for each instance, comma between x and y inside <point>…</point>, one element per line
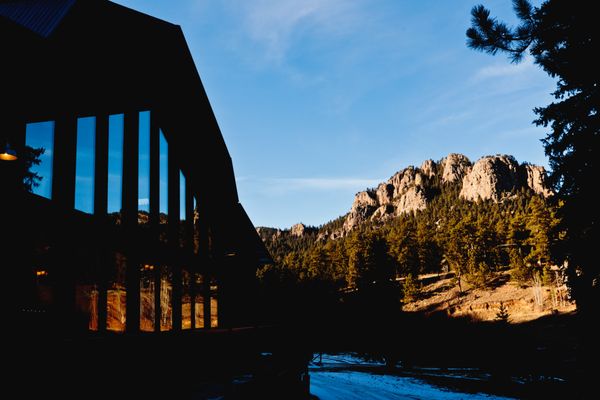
<point>39,16</point>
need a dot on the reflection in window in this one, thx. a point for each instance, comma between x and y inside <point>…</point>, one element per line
<point>144,162</point>
<point>147,291</point>
<point>164,174</point>
<point>186,300</point>
<point>84,167</point>
<point>117,295</point>
<point>199,308</point>
<point>86,291</point>
<point>115,161</point>
<point>166,295</point>
<point>214,304</point>
<point>196,239</point>
<point>41,135</point>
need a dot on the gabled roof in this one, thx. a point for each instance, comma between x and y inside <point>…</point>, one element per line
<point>128,62</point>
<point>39,16</point>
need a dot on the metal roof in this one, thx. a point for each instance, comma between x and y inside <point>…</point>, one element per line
<point>39,16</point>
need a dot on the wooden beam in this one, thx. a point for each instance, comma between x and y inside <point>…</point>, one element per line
<point>154,172</point>
<point>101,167</point>
<point>189,248</point>
<point>100,210</point>
<point>173,234</point>
<point>206,295</point>
<point>63,195</point>
<point>189,215</point>
<point>129,216</point>
<point>155,208</point>
<point>64,157</point>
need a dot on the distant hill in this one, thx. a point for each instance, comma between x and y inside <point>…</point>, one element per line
<point>413,189</point>
<point>482,222</point>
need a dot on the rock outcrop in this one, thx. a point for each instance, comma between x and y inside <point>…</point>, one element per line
<point>455,167</point>
<point>298,230</point>
<point>403,193</point>
<point>537,180</point>
<point>412,200</point>
<point>495,177</point>
<point>274,234</point>
<point>428,168</point>
<point>410,190</point>
<point>365,203</point>
<point>491,178</point>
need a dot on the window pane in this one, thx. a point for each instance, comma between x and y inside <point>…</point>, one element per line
<point>214,304</point>
<point>186,299</point>
<point>166,298</point>
<point>116,317</point>
<point>181,196</point>
<point>199,307</point>
<point>164,174</point>
<point>144,163</point>
<point>41,135</point>
<point>84,168</point>
<point>196,239</point>
<point>147,293</point>
<point>115,162</point>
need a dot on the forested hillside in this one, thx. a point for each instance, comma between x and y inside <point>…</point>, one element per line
<point>514,230</point>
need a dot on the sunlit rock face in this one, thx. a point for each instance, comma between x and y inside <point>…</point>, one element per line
<point>454,167</point>
<point>537,180</point>
<point>411,189</point>
<point>490,178</point>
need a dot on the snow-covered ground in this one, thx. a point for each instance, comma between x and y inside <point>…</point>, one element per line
<point>330,380</point>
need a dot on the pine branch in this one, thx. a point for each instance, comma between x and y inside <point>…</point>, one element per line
<point>523,9</point>
<point>488,35</point>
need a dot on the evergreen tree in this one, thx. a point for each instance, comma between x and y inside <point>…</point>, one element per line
<point>561,36</point>
<point>403,247</point>
<point>502,314</point>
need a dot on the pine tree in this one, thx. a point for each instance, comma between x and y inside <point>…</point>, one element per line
<point>502,315</point>
<point>560,36</point>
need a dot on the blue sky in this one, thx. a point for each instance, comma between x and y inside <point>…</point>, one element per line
<point>319,99</point>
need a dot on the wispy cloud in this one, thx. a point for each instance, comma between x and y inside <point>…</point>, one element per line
<point>143,202</point>
<point>504,69</point>
<point>325,183</point>
<point>273,24</point>
<point>281,186</point>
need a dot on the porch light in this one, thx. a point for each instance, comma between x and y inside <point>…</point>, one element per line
<point>7,153</point>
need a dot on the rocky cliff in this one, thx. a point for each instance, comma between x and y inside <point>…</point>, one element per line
<point>411,189</point>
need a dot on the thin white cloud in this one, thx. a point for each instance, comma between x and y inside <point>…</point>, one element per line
<point>280,186</point>
<point>143,202</point>
<point>325,183</point>
<point>504,69</point>
<point>274,23</point>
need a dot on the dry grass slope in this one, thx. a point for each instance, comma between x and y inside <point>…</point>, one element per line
<point>523,303</point>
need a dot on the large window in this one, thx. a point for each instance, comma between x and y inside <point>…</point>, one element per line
<point>84,167</point>
<point>186,299</point>
<point>199,300</point>
<point>41,135</point>
<point>115,162</point>
<point>214,304</point>
<point>144,162</point>
<point>164,175</point>
<point>166,298</point>
<point>147,293</point>
<point>181,196</point>
<point>117,294</point>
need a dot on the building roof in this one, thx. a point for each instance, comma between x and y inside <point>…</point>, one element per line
<point>39,16</point>
<point>95,57</point>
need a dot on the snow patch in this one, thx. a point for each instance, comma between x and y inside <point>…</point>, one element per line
<point>352,385</point>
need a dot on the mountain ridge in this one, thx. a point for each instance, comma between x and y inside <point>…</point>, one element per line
<point>411,189</point>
